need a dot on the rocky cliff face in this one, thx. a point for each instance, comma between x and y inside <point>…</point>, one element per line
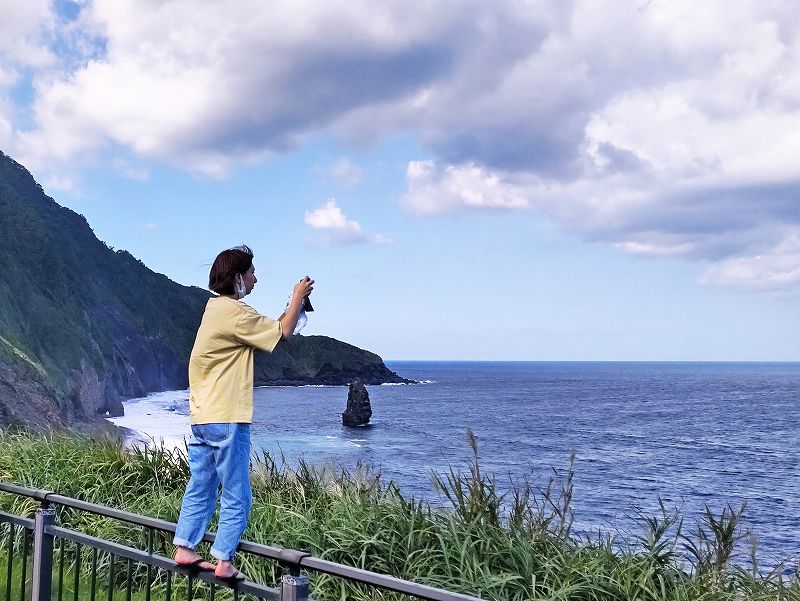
<point>83,326</point>
<point>24,400</point>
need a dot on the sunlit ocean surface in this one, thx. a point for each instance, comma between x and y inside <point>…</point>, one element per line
<point>691,434</point>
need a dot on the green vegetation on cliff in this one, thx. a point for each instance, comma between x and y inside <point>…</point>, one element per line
<point>83,326</point>
<point>527,552</point>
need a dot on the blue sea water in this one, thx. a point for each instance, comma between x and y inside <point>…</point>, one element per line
<point>690,434</point>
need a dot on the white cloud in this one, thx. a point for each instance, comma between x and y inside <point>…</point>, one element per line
<point>330,217</point>
<point>677,139</point>
<point>23,27</point>
<point>8,76</point>
<point>6,130</point>
<point>652,249</point>
<point>337,228</point>
<point>433,190</point>
<point>776,269</point>
<point>131,171</point>
<point>59,184</point>
<point>740,230</point>
<point>662,128</point>
<point>346,172</point>
<point>201,84</point>
<point>381,240</point>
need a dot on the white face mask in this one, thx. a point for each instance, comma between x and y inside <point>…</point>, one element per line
<point>241,291</point>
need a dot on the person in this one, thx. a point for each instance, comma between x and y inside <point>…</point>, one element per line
<point>221,409</point>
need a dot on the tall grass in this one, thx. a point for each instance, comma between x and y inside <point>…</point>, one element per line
<point>514,545</point>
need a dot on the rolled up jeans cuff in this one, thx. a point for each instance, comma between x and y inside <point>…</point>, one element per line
<point>182,542</point>
<point>216,554</point>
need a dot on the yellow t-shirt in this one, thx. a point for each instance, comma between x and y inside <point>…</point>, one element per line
<point>221,365</point>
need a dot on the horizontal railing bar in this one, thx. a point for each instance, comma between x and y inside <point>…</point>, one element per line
<point>398,585</point>
<point>23,491</point>
<point>383,581</point>
<point>16,520</point>
<point>112,512</point>
<point>289,557</point>
<point>157,561</point>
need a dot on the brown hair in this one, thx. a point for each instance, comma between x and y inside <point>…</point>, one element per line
<point>228,263</point>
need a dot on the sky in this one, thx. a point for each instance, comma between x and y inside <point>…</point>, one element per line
<point>466,180</point>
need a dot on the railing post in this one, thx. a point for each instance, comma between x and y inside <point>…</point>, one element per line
<point>42,577</point>
<point>294,586</point>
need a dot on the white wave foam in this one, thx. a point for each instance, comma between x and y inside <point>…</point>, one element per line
<point>329,442</point>
<point>300,386</point>
<point>157,419</point>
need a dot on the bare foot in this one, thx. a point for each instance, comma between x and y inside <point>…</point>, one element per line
<point>186,558</point>
<point>226,571</point>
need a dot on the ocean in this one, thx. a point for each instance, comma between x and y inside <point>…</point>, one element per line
<point>693,435</point>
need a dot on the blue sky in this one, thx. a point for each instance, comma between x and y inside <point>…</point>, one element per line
<point>465,180</point>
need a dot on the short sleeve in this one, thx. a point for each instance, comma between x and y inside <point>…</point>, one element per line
<point>254,329</point>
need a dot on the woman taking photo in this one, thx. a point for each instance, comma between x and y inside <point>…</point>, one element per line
<point>221,409</point>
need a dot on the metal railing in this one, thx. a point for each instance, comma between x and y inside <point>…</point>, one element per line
<point>51,552</point>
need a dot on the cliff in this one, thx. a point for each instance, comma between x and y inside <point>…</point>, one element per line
<point>320,360</point>
<point>83,326</point>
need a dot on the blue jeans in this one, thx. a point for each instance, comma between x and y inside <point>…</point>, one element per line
<point>219,454</point>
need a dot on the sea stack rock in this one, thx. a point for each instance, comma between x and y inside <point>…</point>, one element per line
<point>358,409</point>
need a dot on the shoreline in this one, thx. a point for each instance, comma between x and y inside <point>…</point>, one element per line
<point>132,438</point>
<point>154,421</point>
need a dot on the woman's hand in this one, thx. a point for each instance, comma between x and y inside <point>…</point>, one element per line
<point>302,289</point>
<point>289,318</point>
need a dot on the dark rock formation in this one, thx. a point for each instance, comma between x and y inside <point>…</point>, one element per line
<point>83,326</point>
<point>320,360</point>
<point>358,409</point>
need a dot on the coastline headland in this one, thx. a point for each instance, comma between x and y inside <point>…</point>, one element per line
<point>84,326</point>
